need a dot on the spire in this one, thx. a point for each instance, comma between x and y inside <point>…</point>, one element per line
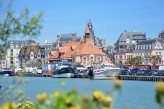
<point>89,23</point>
<point>87,30</point>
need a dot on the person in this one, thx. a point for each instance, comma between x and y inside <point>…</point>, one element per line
<point>90,73</point>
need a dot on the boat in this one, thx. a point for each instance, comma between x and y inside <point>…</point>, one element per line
<point>65,72</point>
<point>6,72</point>
<point>106,71</point>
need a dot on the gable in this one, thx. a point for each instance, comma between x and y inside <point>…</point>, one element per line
<point>158,45</point>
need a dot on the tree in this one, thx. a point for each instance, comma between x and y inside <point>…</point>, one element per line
<point>154,59</point>
<point>135,60</point>
<point>25,25</point>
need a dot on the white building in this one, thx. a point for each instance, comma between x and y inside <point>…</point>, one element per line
<point>13,51</point>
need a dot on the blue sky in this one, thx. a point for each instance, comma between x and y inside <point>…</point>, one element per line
<point>109,17</point>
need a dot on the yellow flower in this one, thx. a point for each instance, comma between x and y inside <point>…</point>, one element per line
<point>57,93</point>
<point>41,97</point>
<point>97,94</point>
<point>105,108</point>
<point>19,105</point>
<point>118,84</point>
<point>5,106</point>
<point>68,101</point>
<point>75,107</point>
<point>107,99</point>
<point>160,87</point>
<point>9,106</point>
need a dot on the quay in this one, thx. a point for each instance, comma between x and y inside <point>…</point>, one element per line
<point>141,78</point>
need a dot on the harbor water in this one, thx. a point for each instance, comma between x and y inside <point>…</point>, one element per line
<point>134,94</point>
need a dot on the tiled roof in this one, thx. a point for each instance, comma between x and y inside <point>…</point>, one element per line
<point>88,47</point>
<point>78,48</point>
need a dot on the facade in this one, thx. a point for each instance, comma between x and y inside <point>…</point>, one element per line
<point>161,35</point>
<point>125,45</point>
<point>122,57</point>
<point>32,55</point>
<point>82,52</point>
<point>13,51</point>
<point>49,46</point>
<point>150,47</point>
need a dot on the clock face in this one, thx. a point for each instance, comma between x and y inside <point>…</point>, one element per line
<point>90,26</point>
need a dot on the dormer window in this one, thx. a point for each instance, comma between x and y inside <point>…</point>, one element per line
<point>89,46</point>
<point>31,55</point>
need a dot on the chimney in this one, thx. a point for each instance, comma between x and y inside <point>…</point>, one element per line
<point>58,38</point>
<point>73,37</point>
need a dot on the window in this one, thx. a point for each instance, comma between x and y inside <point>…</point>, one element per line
<point>91,58</point>
<point>89,46</point>
<point>11,50</point>
<point>98,59</point>
<point>16,45</point>
<point>22,45</point>
<point>84,59</point>
<point>39,56</point>
<point>11,54</point>
<point>11,46</point>
<point>11,62</point>
<point>31,55</point>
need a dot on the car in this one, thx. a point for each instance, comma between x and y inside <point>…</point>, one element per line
<point>144,72</point>
<point>160,73</point>
<point>133,71</point>
<point>154,71</point>
<point>124,72</point>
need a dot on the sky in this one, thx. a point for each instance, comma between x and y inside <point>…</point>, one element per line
<point>109,17</point>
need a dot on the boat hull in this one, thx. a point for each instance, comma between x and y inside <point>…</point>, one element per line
<point>65,75</point>
<point>106,73</point>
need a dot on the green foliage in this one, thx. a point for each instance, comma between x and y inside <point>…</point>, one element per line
<point>14,90</point>
<point>135,60</point>
<point>25,24</point>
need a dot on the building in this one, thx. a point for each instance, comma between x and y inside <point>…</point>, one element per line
<point>81,52</point>
<point>148,48</point>
<point>49,46</point>
<point>13,51</point>
<point>161,35</point>
<point>66,38</point>
<point>125,45</point>
<point>100,43</point>
<point>32,55</point>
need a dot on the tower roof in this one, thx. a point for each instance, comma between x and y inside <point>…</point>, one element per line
<point>87,30</point>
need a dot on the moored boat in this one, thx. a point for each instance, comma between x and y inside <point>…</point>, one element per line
<point>64,73</point>
<point>106,71</point>
<point>6,72</point>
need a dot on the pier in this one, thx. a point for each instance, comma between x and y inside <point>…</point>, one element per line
<point>141,78</point>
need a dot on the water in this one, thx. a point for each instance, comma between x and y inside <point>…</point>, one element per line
<point>133,94</point>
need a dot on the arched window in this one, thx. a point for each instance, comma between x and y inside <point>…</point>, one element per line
<point>98,59</point>
<point>91,58</point>
<point>84,59</point>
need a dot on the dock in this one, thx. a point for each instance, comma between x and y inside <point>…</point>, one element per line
<point>141,78</point>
